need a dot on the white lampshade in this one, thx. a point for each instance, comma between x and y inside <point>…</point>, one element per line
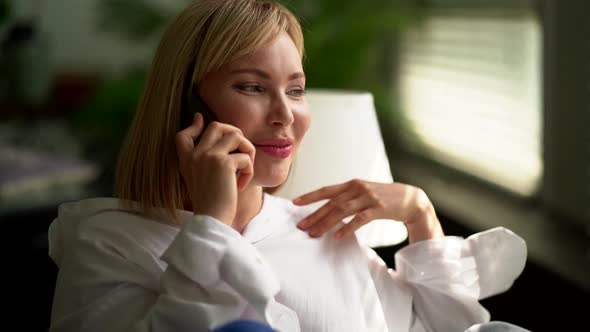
<point>344,143</point>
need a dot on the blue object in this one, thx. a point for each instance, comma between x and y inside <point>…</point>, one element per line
<point>496,326</point>
<point>244,326</point>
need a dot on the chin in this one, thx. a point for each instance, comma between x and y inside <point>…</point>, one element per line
<point>272,177</point>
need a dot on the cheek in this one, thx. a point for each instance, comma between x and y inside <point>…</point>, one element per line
<point>302,123</point>
<point>236,111</point>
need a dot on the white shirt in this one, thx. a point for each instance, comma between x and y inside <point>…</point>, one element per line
<point>119,271</point>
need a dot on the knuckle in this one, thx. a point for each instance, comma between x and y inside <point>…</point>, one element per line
<point>208,155</point>
<point>374,197</point>
<point>339,208</point>
<point>378,201</point>
<point>358,218</point>
<point>331,205</point>
<point>323,190</point>
<point>362,216</point>
<point>346,231</point>
<point>195,157</point>
<point>234,134</point>
<point>319,228</point>
<point>214,157</point>
<point>325,226</point>
<point>359,184</point>
<point>178,138</point>
<point>238,131</point>
<point>421,198</point>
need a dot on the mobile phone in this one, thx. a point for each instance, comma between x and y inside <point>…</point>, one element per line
<point>193,104</point>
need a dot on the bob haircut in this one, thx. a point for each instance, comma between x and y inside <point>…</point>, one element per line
<point>202,38</point>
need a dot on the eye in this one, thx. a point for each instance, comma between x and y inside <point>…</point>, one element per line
<point>250,88</point>
<point>298,93</point>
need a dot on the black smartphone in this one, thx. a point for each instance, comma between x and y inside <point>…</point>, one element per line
<point>193,104</point>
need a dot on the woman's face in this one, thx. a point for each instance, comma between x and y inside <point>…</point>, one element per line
<point>263,95</point>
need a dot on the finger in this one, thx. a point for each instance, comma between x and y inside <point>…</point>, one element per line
<point>336,215</point>
<point>322,193</point>
<point>323,211</point>
<point>360,219</point>
<point>214,131</point>
<point>244,164</point>
<point>232,141</point>
<point>185,139</point>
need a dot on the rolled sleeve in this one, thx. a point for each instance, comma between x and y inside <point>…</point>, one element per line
<point>482,265</point>
<point>202,247</point>
<point>500,257</point>
<point>215,256</point>
<point>451,274</point>
<point>439,264</point>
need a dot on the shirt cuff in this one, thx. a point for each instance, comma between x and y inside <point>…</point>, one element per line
<point>500,257</point>
<point>482,265</point>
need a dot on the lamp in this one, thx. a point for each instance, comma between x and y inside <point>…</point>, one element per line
<point>344,143</point>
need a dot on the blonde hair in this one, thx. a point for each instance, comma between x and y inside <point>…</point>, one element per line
<point>202,38</point>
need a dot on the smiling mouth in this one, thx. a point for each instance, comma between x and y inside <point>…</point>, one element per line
<point>276,151</point>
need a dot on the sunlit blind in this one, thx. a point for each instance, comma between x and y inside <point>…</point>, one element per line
<point>470,84</point>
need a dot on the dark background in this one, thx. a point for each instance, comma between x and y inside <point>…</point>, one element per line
<point>71,72</point>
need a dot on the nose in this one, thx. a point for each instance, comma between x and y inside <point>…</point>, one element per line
<point>280,114</point>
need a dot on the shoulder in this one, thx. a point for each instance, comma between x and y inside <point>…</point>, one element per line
<point>103,226</point>
<point>127,229</point>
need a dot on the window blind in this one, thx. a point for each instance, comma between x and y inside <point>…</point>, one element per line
<point>470,87</point>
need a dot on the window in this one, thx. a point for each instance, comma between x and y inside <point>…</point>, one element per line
<point>504,94</point>
<point>470,84</point>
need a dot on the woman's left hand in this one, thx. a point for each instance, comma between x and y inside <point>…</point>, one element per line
<point>368,201</point>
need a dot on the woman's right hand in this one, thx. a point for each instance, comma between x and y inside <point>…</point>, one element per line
<point>209,169</point>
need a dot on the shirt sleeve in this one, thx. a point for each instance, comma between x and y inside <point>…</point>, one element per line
<point>445,278</point>
<point>213,276</point>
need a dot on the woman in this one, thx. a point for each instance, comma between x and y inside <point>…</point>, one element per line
<point>194,242</point>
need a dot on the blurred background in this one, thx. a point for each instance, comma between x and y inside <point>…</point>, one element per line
<point>484,104</point>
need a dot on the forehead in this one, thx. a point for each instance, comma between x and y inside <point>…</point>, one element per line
<point>279,54</point>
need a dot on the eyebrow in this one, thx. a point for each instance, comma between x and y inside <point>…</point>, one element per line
<point>264,74</point>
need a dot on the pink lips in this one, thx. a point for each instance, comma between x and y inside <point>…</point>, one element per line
<point>276,151</point>
<point>278,148</point>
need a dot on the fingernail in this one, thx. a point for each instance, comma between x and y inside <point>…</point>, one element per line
<point>302,224</point>
<point>313,233</point>
<point>297,200</point>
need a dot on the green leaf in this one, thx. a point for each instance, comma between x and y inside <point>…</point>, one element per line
<point>108,114</point>
<point>4,10</point>
<point>133,19</point>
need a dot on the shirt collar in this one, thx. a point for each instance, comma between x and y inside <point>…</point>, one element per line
<point>270,219</point>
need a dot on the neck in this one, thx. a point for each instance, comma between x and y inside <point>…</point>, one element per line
<point>249,205</point>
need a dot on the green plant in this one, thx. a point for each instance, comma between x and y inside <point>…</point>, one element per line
<point>103,122</point>
<point>4,10</point>
<point>351,45</point>
<point>343,38</point>
<point>134,20</point>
